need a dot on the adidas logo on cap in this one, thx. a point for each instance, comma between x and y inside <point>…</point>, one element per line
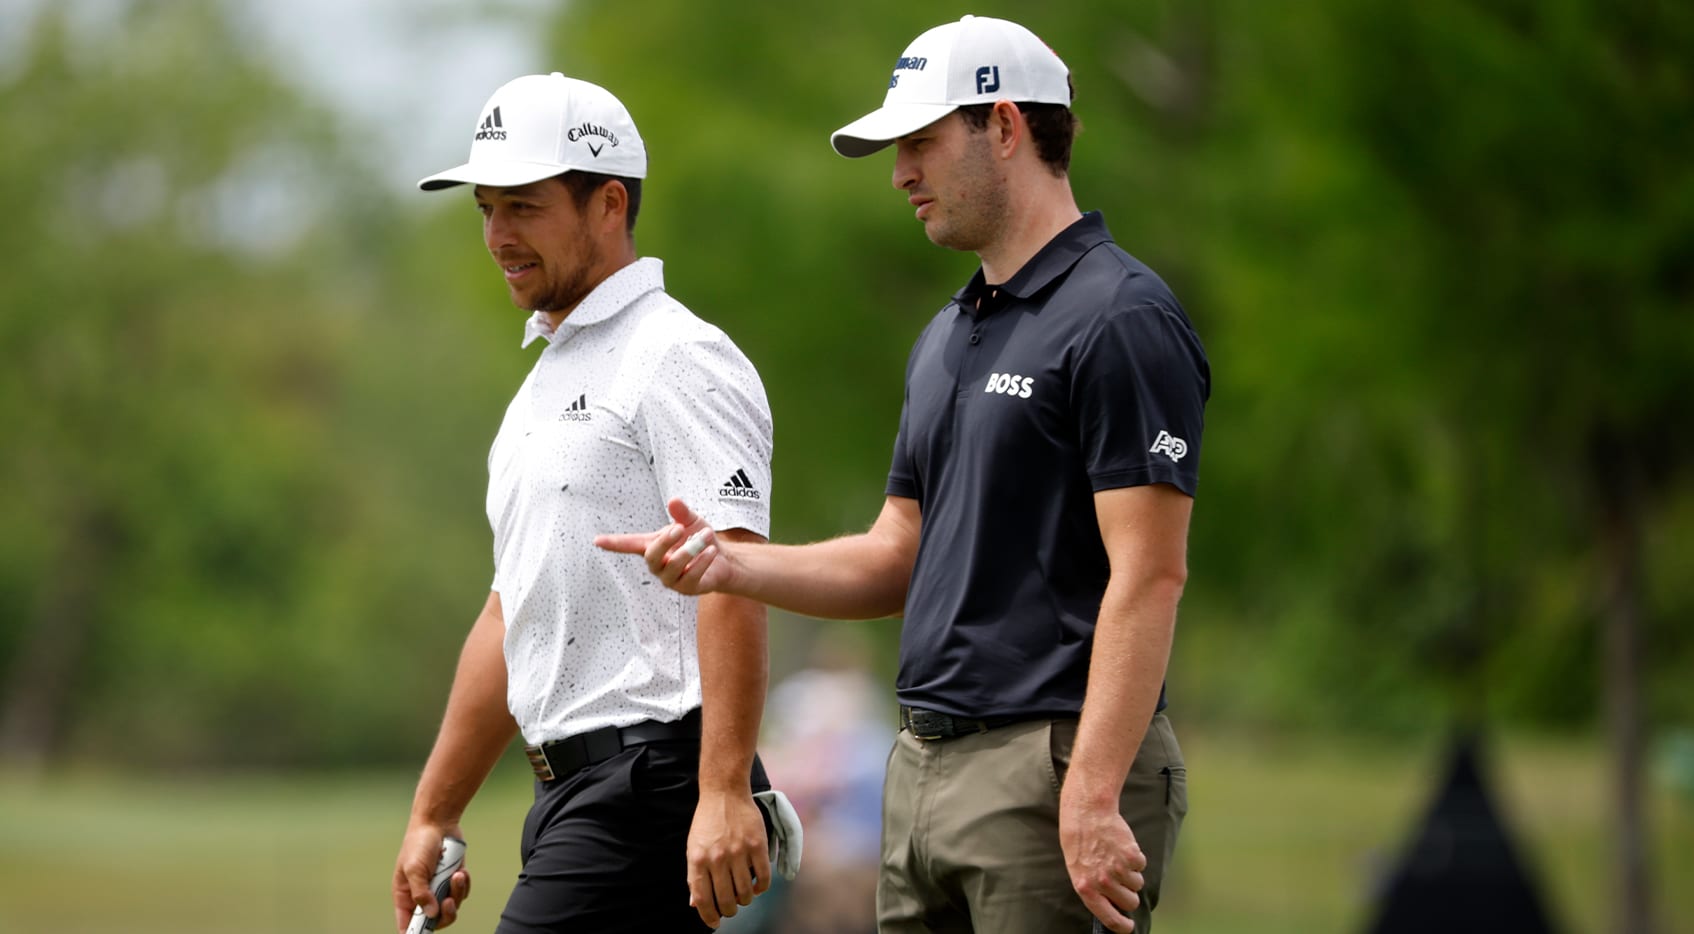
<point>739,486</point>
<point>491,127</point>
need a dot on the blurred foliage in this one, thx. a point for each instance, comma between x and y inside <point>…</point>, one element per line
<point>1442,257</point>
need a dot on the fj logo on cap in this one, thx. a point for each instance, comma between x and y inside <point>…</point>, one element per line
<point>988,79</point>
<point>491,127</point>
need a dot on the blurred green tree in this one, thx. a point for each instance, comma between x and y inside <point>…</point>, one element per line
<point>1392,229</point>
<point>1544,148</point>
<point>1440,258</point>
<point>218,539</point>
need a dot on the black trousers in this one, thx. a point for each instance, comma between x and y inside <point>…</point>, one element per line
<point>605,849</point>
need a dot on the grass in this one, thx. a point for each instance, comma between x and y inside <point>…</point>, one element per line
<point>1285,836</point>
<point>1297,836</point>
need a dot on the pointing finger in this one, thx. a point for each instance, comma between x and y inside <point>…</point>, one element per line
<point>628,543</point>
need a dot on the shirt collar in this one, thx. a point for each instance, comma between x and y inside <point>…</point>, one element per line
<point>537,326</point>
<point>618,291</point>
<point>1049,263</point>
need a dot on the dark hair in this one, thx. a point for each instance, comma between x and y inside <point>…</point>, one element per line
<point>583,185</point>
<point>1051,126</point>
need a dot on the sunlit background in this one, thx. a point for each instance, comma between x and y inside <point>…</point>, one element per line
<point>1441,255</point>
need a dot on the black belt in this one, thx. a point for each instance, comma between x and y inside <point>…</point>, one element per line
<point>561,757</point>
<point>930,724</point>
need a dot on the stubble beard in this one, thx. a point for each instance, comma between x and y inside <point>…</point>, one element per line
<point>976,221</point>
<point>574,283</point>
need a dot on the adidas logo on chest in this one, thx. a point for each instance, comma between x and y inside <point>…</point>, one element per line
<point>578,411</point>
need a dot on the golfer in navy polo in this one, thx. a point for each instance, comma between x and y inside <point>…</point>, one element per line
<point>1035,529</point>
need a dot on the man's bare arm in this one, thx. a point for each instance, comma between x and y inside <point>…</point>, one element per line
<point>475,730</point>
<point>1145,531</point>
<point>728,862</point>
<point>863,576</point>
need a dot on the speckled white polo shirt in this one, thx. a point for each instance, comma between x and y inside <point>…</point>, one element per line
<point>633,401</point>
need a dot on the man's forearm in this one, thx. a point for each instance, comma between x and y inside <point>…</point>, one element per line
<point>727,848</point>
<point>1145,530</point>
<point>476,728</point>
<point>843,578</point>
<point>733,676</point>
<point>1132,643</point>
<point>862,576</point>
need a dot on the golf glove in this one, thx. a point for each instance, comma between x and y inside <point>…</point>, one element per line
<point>786,838</point>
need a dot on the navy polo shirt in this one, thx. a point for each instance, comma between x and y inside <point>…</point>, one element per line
<point>1080,374</point>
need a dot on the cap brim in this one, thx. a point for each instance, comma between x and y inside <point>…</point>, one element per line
<point>875,130</point>
<point>493,174</point>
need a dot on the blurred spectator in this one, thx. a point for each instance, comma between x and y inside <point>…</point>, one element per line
<point>828,729</point>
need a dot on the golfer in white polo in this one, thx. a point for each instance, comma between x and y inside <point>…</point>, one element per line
<point>639,706</point>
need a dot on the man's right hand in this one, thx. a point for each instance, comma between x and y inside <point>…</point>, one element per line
<point>420,851</point>
<point>667,552</point>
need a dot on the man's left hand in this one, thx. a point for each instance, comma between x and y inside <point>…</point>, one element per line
<point>1104,861</point>
<point>728,860</point>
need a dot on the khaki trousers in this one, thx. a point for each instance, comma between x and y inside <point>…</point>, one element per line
<point>970,830</point>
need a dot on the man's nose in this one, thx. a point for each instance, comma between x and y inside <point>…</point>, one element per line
<point>905,171</point>
<point>496,230</point>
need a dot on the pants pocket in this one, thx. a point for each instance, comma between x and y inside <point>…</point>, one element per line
<point>1061,736</point>
<point>1176,790</point>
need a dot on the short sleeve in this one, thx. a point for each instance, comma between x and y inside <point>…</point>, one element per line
<point>708,431</point>
<point>902,479</point>
<point>1139,391</point>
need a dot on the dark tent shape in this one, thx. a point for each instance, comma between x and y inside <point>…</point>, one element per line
<point>1461,874</point>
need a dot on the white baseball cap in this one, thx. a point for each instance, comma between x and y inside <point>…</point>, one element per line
<point>977,60</point>
<point>539,126</point>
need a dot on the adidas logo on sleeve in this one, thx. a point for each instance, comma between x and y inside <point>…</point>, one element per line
<point>738,487</point>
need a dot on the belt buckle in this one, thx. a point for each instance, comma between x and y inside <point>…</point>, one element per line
<point>538,762</point>
<point>934,725</point>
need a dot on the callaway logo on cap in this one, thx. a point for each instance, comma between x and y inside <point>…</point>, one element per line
<point>539,126</point>
<point>977,60</point>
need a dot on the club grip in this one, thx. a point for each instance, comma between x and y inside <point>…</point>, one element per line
<point>441,884</point>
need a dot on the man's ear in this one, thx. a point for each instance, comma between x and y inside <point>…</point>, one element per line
<point>1006,124</point>
<point>613,200</point>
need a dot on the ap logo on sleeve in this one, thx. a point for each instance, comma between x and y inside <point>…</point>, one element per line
<point>1169,445</point>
